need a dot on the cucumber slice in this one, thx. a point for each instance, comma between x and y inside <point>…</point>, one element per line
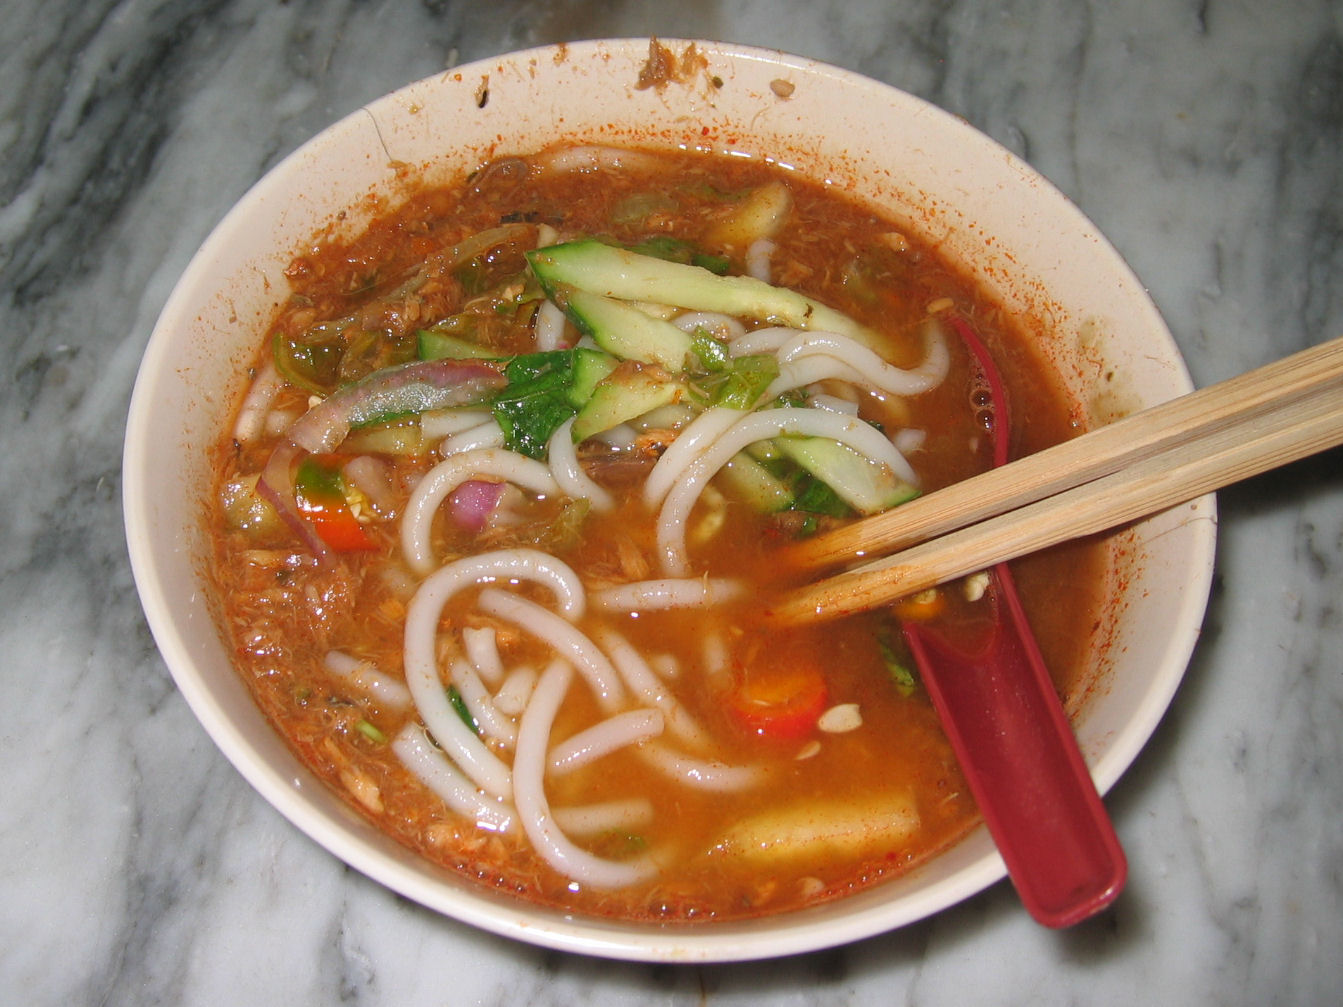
<point>747,479</point>
<point>867,486</point>
<point>399,437</point>
<point>592,266</point>
<point>626,331</point>
<point>591,367</point>
<point>622,396</point>
<point>431,345</point>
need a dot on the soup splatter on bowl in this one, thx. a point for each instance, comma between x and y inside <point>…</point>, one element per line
<point>491,444</point>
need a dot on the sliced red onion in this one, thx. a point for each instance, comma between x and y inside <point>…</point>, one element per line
<point>471,503</point>
<point>276,486</point>
<point>405,388</point>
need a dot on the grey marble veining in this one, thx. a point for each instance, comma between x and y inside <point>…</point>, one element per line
<point>1205,139</point>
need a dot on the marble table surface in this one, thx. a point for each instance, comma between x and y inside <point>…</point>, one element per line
<point>1204,137</point>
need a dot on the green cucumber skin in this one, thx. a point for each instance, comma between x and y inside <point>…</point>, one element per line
<point>603,269</point>
<point>753,483</point>
<point>625,331</point>
<point>622,397</point>
<point>591,367</point>
<point>865,486</point>
<point>431,345</point>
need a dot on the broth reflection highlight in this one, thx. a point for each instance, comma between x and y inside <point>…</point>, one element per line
<point>506,484</point>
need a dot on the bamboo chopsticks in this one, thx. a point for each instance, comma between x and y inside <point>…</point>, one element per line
<point>1166,455</point>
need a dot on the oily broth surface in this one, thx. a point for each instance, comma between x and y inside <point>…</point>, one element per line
<point>284,612</point>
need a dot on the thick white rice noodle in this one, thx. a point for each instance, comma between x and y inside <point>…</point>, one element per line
<point>668,417</point>
<point>834,404</point>
<point>700,773</point>
<point>493,723</point>
<point>486,435</point>
<point>752,427</point>
<point>594,157</point>
<point>484,768</point>
<point>665,593</point>
<point>682,452</point>
<point>759,259</point>
<point>445,477</point>
<point>534,808</point>
<point>561,636</point>
<point>849,360</point>
<point>442,423</point>
<point>607,816</point>
<point>418,754</point>
<point>715,653</point>
<point>645,684</point>
<point>549,327</point>
<point>388,691</point>
<point>665,665</point>
<point>568,473</point>
<point>517,689</point>
<point>603,738</point>
<point>715,323</point>
<point>251,422</point>
<point>809,371</point>
<point>500,565</point>
<point>482,650</point>
<point>759,341</point>
<point>622,435</point>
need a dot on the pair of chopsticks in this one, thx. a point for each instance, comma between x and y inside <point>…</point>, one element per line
<point>1141,465</point>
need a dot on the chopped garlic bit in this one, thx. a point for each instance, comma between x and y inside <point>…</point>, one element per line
<point>975,585</point>
<point>841,719</point>
<point>808,750</point>
<point>940,305</point>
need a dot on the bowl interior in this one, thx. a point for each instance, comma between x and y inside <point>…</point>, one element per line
<point>989,212</point>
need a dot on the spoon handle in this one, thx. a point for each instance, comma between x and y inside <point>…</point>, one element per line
<point>1009,731</point>
<point>998,706</point>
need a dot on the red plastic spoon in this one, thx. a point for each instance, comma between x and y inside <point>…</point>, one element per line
<point>998,706</point>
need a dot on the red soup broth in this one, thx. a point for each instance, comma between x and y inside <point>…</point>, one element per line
<point>813,821</point>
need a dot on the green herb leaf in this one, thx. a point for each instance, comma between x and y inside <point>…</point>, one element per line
<point>371,732</point>
<point>904,678</point>
<point>741,382</point>
<point>536,401</point>
<point>459,704</point>
<point>814,497</point>
<point>664,246</point>
<point>713,355</point>
<point>717,264</point>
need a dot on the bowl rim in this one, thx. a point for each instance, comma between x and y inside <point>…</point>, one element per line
<point>806,930</point>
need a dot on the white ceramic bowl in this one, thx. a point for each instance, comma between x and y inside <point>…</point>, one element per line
<point>1000,220</point>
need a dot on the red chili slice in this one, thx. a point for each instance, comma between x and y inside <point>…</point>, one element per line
<point>319,493</point>
<point>779,702</point>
